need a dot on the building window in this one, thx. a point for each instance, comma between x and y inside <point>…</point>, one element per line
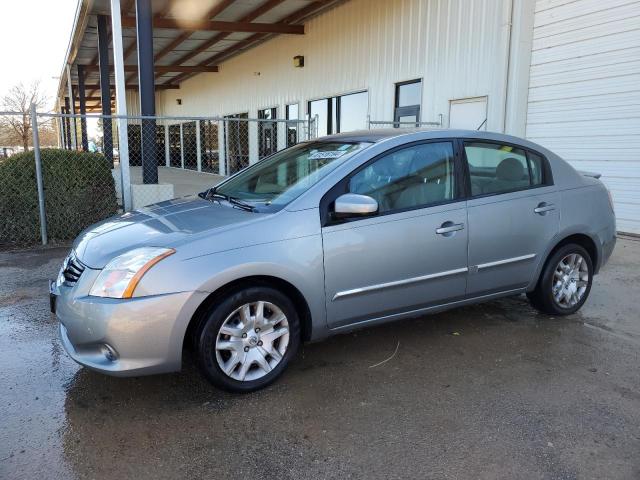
<point>267,132</point>
<point>407,104</point>
<point>319,113</point>
<point>237,137</point>
<point>352,112</point>
<point>340,114</point>
<point>292,113</point>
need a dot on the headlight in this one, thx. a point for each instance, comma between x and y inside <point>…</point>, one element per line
<point>122,274</point>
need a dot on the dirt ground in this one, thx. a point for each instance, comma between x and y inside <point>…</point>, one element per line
<point>489,391</point>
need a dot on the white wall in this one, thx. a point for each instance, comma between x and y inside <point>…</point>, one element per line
<point>584,95</point>
<point>459,47</point>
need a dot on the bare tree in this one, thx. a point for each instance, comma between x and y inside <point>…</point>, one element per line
<point>17,128</point>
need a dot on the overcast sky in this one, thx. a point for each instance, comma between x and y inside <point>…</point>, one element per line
<point>34,35</point>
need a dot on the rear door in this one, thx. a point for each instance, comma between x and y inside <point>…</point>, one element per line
<point>413,253</point>
<point>513,214</point>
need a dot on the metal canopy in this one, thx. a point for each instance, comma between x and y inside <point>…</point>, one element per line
<point>189,37</point>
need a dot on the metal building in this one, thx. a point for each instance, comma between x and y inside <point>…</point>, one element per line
<point>564,73</point>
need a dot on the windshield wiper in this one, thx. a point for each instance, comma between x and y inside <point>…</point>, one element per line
<point>212,193</point>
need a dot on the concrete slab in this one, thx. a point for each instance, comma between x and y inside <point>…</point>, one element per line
<point>493,391</point>
<point>185,182</point>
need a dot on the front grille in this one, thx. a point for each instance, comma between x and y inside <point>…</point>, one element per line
<point>72,269</point>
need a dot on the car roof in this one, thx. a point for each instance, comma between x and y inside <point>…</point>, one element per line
<point>377,135</point>
<point>416,134</point>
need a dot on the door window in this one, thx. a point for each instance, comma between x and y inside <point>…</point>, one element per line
<point>496,168</point>
<point>408,178</point>
<point>407,104</point>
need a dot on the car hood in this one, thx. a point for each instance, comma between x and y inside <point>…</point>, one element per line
<point>165,224</point>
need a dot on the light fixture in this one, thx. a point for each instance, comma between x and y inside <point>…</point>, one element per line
<point>298,61</point>
<point>179,101</point>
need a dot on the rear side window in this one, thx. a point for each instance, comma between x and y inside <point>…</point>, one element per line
<point>495,168</point>
<point>536,166</point>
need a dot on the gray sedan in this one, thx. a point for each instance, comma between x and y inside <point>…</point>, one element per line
<point>327,236</point>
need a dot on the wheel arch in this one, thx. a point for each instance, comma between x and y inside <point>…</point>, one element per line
<point>584,240</point>
<point>298,299</point>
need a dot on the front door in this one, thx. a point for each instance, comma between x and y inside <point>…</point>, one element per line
<point>513,215</point>
<point>413,253</point>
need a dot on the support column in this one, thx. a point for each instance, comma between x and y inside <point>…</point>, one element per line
<point>198,148</point>
<point>63,130</point>
<point>67,123</point>
<point>121,104</point>
<point>181,145</point>
<point>72,110</point>
<point>146,79</point>
<point>167,146</point>
<point>222,147</point>
<point>83,109</point>
<point>105,91</point>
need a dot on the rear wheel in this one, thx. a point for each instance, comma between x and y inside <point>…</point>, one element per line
<point>248,339</point>
<point>565,281</point>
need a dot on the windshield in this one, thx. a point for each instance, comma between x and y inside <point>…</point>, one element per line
<point>277,180</point>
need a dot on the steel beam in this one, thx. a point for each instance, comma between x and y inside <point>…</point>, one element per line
<point>83,109</point>
<point>133,86</point>
<point>218,26</point>
<point>164,68</point>
<point>146,79</point>
<point>105,92</point>
<point>72,110</point>
<point>67,122</point>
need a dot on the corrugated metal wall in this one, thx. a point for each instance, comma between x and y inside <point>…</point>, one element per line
<point>584,92</point>
<point>458,47</point>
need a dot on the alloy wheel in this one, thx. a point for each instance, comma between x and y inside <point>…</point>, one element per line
<point>252,341</point>
<point>570,280</point>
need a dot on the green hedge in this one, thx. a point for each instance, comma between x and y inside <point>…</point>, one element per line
<point>79,190</point>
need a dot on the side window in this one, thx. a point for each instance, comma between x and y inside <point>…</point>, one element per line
<point>412,177</point>
<point>536,165</point>
<point>495,168</point>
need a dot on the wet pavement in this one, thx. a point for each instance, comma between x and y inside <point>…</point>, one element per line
<point>489,391</point>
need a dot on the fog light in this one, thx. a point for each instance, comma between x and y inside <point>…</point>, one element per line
<point>109,353</point>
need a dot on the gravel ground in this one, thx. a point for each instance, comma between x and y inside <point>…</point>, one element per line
<point>490,391</point>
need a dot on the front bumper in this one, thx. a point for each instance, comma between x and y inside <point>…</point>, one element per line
<point>129,337</point>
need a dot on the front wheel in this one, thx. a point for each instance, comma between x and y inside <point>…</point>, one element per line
<point>565,282</point>
<point>248,339</point>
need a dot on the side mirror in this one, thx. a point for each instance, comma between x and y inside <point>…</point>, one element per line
<point>353,205</point>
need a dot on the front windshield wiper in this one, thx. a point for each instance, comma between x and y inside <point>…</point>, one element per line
<point>212,193</point>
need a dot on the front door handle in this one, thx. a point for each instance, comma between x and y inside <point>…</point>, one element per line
<point>543,208</point>
<point>449,227</point>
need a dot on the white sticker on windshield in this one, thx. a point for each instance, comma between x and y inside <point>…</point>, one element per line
<point>326,154</point>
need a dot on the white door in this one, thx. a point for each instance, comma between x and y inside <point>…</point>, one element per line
<point>468,113</point>
<point>584,93</point>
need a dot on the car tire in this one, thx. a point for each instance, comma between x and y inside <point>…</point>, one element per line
<point>565,281</point>
<point>242,350</point>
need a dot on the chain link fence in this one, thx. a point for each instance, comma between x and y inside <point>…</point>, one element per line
<point>80,169</point>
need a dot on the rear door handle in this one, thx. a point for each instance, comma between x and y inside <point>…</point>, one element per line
<point>543,207</point>
<point>449,227</point>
